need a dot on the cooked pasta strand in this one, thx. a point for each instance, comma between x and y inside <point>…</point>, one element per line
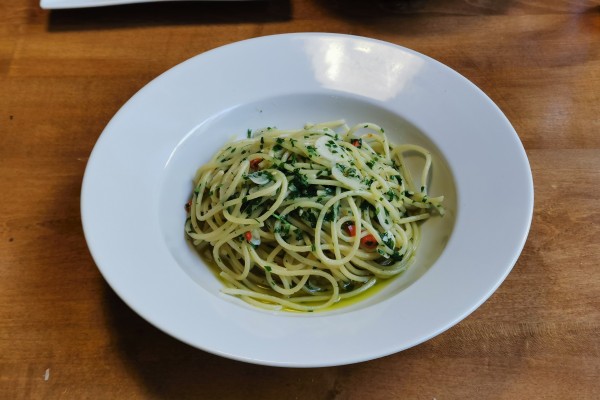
<point>298,220</point>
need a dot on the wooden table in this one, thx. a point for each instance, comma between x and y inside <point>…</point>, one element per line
<point>63,74</point>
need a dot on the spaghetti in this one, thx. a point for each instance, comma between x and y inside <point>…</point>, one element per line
<point>298,220</point>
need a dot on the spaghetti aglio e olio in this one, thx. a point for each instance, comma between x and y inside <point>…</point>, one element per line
<point>298,220</point>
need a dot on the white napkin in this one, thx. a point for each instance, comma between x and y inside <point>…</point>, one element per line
<point>56,4</point>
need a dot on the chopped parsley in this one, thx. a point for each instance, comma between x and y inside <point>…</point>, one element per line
<point>248,206</point>
<point>292,160</point>
<point>347,171</point>
<point>299,186</point>
<point>391,195</point>
<point>333,213</point>
<point>366,206</point>
<point>388,239</point>
<point>279,217</point>
<point>278,146</point>
<point>368,181</point>
<point>310,217</point>
<point>351,173</point>
<point>332,146</point>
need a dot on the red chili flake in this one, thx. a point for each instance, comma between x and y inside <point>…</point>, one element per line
<point>368,242</point>
<point>188,206</point>
<point>356,143</point>
<point>351,229</point>
<point>254,163</point>
<point>248,236</point>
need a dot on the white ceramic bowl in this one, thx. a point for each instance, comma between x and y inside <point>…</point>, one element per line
<point>139,177</point>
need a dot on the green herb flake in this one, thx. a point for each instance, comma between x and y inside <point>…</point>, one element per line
<point>332,214</point>
<point>351,173</point>
<point>391,195</point>
<point>308,216</point>
<point>388,239</point>
<point>279,217</point>
<point>365,206</point>
<point>332,146</point>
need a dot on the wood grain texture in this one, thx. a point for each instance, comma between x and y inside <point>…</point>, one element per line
<point>63,74</point>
